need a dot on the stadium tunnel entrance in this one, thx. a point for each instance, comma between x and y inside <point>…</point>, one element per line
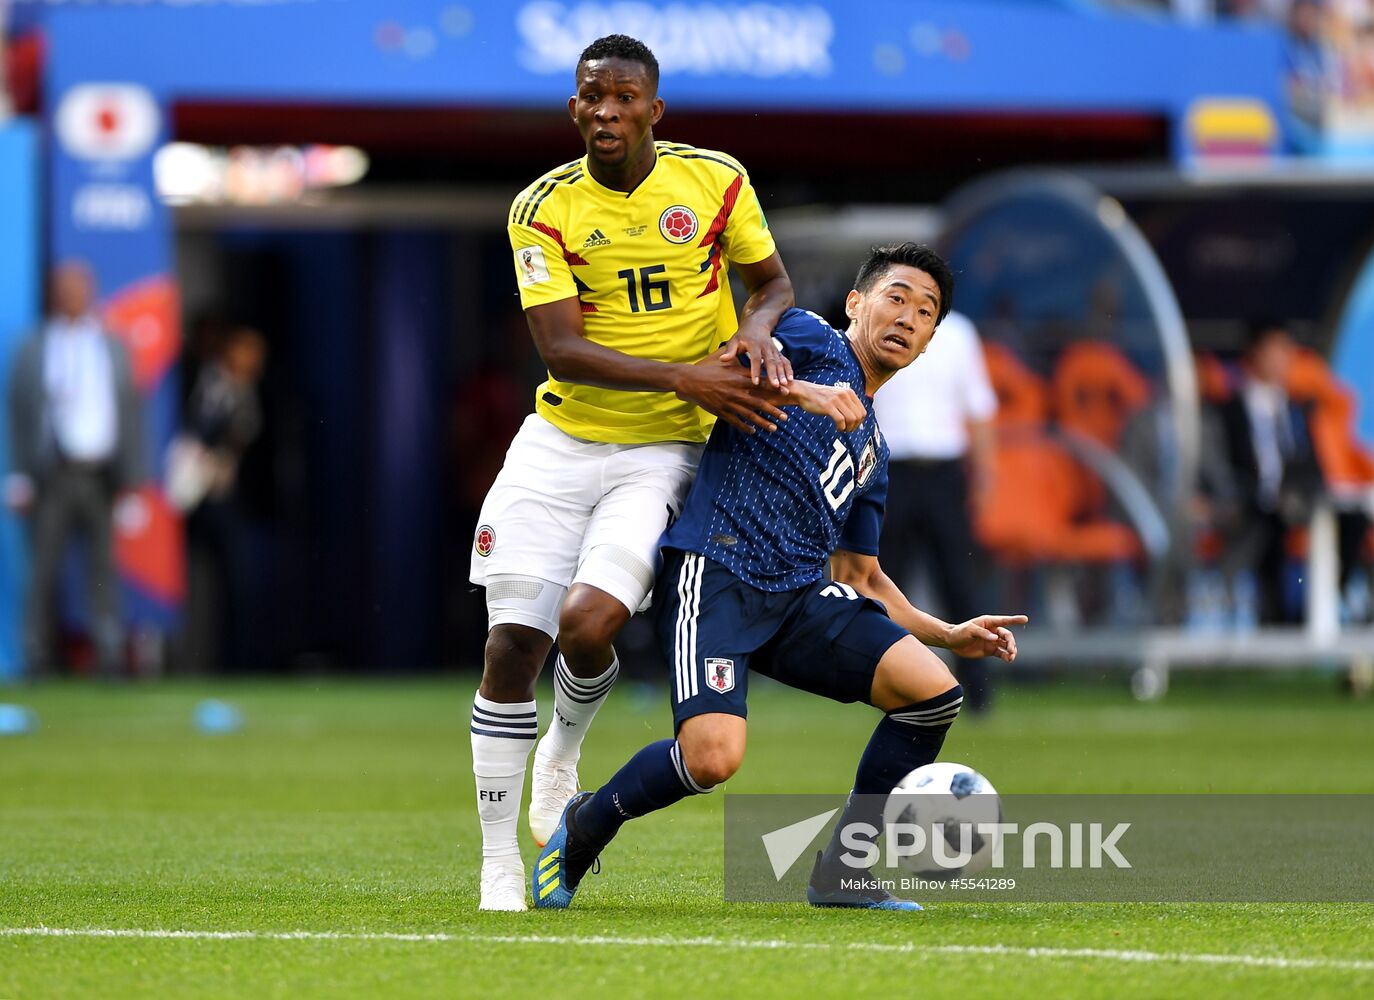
<point>399,370</point>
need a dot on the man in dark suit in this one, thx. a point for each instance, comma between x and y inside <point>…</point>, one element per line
<point>1275,467</point>
<point>76,446</point>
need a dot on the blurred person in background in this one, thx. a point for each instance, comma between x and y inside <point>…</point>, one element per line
<point>937,417</point>
<point>74,417</point>
<point>1258,10</point>
<point>1278,481</point>
<point>1311,70</point>
<point>1150,447</point>
<point>223,418</point>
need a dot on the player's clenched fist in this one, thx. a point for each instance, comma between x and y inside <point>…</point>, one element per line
<point>838,402</point>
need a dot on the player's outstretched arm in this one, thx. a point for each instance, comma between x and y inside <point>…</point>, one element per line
<point>770,295</point>
<point>986,635</point>
<point>723,389</point>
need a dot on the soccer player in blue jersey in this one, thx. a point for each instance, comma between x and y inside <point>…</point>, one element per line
<point>744,587</point>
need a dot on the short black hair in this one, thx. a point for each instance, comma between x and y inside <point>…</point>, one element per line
<point>917,255</point>
<point>622,47</point>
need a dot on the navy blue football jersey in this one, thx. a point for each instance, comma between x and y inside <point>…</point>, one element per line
<point>772,507</point>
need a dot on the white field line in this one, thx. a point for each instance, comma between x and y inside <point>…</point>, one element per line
<point>725,944</point>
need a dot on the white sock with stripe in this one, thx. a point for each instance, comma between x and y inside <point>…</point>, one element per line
<point>575,702</point>
<point>502,737</point>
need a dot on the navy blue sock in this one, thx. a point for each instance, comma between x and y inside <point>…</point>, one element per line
<point>652,779</point>
<point>904,740</point>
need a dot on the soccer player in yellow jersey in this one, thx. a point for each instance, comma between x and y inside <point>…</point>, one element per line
<point>621,258</point>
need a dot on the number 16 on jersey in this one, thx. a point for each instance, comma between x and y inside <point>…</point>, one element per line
<point>643,289</point>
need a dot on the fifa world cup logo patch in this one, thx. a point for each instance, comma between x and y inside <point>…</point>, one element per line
<point>485,541</point>
<point>533,270</point>
<point>720,674</point>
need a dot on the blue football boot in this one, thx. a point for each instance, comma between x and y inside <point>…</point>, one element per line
<point>564,860</point>
<point>839,886</point>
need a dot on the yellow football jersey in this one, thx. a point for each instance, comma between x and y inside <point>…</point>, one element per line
<point>650,270</point>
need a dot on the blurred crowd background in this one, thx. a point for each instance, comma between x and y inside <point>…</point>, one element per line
<point>263,352</point>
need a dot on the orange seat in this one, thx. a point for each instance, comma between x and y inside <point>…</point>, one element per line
<point>1038,511</point>
<point>1344,461</point>
<point>1096,389</point>
<point>1309,376</point>
<point>1023,397</point>
<point>1043,503</point>
<point>1213,380</point>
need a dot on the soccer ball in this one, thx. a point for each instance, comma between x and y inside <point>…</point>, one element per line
<point>931,820</point>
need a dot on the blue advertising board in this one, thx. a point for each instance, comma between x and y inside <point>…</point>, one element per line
<point>19,305</point>
<point>865,54</point>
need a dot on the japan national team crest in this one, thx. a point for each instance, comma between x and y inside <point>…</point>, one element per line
<point>485,541</point>
<point>867,461</point>
<point>720,674</point>
<point>678,223</point>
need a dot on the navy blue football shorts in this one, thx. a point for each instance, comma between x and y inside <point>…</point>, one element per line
<point>714,629</point>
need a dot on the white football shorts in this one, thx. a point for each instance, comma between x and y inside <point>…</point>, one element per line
<point>564,511</point>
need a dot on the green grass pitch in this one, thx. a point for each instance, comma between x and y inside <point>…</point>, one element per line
<point>344,810</point>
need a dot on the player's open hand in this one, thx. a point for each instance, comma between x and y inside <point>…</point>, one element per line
<point>765,359</point>
<point>986,635</point>
<point>719,385</point>
<point>839,403</point>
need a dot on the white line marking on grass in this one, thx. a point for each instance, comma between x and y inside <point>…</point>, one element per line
<point>1009,951</point>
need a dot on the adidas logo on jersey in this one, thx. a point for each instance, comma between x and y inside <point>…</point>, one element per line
<point>596,239</point>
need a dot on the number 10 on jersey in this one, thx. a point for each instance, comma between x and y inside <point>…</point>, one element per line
<point>642,288</point>
<point>838,480</point>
